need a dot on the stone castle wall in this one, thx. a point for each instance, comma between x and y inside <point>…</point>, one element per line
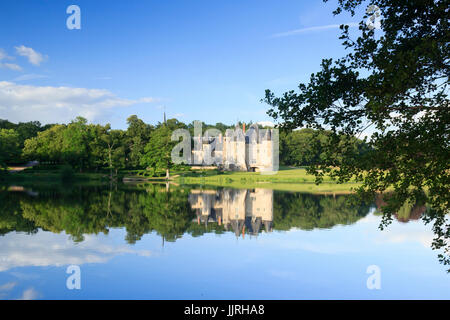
<point>237,150</point>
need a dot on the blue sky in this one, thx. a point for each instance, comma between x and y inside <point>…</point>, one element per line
<point>205,60</point>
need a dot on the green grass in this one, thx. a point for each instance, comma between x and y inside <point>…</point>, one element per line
<point>286,179</point>
<point>50,175</point>
<point>289,179</point>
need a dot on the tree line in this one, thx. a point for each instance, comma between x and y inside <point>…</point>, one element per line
<point>306,147</point>
<point>92,147</point>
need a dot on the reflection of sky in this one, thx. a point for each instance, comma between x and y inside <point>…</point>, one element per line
<point>322,264</point>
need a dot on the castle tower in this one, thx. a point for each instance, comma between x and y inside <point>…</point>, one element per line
<point>234,150</point>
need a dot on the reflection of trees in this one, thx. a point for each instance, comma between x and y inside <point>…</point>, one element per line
<point>408,211</point>
<point>167,213</point>
<point>197,230</point>
<point>95,210</point>
<point>307,211</point>
<point>415,210</point>
<point>141,210</point>
<point>11,218</point>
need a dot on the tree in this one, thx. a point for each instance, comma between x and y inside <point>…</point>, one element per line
<point>396,81</point>
<point>9,146</point>
<point>138,135</point>
<point>157,153</point>
<point>46,146</point>
<point>302,147</point>
<point>76,138</point>
<point>115,149</point>
<point>96,147</point>
<point>25,130</point>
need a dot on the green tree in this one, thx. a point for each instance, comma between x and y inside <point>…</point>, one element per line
<point>138,135</point>
<point>157,153</point>
<point>396,81</point>
<point>302,147</point>
<point>9,146</point>
<point>76,138</point>
<point>97,149</point>
<point>115,149</point>
<point>46,146</point>
<point>26,130</point>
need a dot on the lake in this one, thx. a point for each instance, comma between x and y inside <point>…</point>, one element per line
<point>172,242</point>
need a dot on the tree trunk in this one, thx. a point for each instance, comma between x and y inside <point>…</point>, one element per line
<point>110,162</point>
<point>167,174</point>
<point>110,166</point>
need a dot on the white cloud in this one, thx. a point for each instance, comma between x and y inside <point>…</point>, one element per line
<point>58,104</point>
<point>148,100</point>
<point>30,76</point>
<point>404,235</point>
<point>11,66</point>
<point>33,57</point>
<point>29,294</point>
<point>266,124</point>
<point>8,286</point>
<point>4,55</point>
<point>311,29</point>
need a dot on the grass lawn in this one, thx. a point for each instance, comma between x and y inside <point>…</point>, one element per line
<point>286,179</point>
<point>289,179</point>
<point>46,175</point>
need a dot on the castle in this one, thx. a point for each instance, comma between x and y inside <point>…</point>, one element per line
<point>238,150</point>
<point>238,210</point>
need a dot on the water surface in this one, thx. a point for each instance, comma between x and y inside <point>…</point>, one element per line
<point>154,242</point>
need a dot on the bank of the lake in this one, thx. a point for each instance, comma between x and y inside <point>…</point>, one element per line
<point>53,176</point>
<point>286,179</point>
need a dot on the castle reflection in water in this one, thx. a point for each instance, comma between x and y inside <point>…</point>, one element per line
<point>243,211</point>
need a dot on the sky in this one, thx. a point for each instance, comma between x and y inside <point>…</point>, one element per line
<point>197,60</point>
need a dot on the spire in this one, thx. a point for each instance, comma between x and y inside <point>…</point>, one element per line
<point>165,122</point>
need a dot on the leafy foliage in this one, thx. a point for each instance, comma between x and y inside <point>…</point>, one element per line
<point>137,137</point>
<point>157,153</point>
<point>306,147</point>
<point>9,146</point>
<point>394,80</point>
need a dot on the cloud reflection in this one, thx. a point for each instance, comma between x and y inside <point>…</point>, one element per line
<point>48,249</point>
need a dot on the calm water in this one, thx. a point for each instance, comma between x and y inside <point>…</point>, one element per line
<point>142,242</point>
